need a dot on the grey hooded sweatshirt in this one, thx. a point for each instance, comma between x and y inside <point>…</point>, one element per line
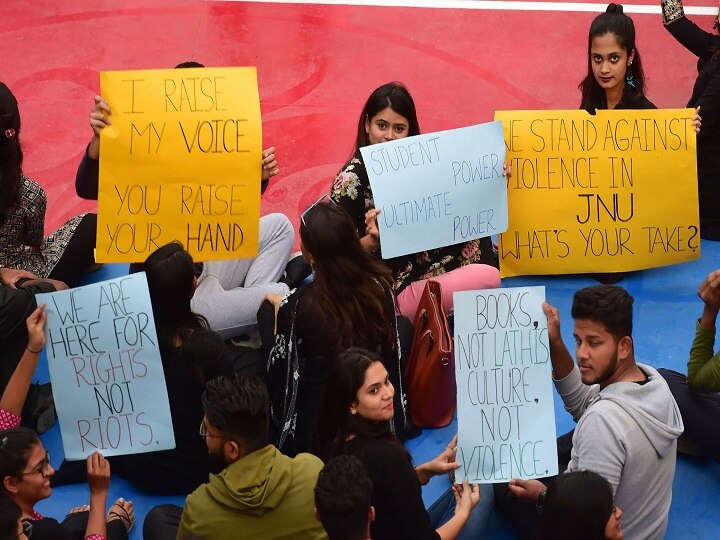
<point>627,432</point>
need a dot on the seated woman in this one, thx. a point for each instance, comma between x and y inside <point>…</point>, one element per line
<point>577,504</point>
<point>355,419</point>
<point>698,394</point>
<point>25,465</point>
<point>64,255</point>
<point>705,97</point>
<point>191,355</point>
<point>349,303</point>
<point>389,114</point>
<point>229,292</point>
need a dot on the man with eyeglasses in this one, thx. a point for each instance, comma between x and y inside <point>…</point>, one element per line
<point>262,494</point>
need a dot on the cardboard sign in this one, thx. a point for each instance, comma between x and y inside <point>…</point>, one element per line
<point>612,192</point>
<point>105,368</point>
<point>438,189</point>
<point>506,419</point>
<point>181,161</point>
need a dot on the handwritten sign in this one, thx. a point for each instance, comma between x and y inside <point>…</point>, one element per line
<point>612,192</point>
<point>438,189</point>
<point>105,368</point>
<point>181,161</point>
<point>506,419</point>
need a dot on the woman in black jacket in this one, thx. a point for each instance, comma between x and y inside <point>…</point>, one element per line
<point>706,96</point>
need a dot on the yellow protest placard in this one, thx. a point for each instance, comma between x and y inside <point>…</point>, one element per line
<point>181,161</point>
<point>611,192</point>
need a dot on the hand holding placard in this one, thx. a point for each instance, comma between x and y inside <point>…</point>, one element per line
<point>506,419</point>
<point>438,189</point>
<point>106,370</point>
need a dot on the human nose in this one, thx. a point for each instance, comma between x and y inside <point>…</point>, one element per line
<point>581,351</point>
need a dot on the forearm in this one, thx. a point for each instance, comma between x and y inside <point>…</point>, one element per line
<point>686,32</point>
<point>13,397</point>
<point>562,362</point>
<point>87,177</point>
<point>96,517</point>
<point>703,367</point>
<point>370,243</point>
<point>453,528</point>
<point>423,473</point>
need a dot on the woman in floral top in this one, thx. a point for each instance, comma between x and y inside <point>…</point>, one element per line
<point>65,254</point>
<point>390,114</point>
<point>25,464</point>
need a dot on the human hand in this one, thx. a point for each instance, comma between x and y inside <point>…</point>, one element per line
<point>98,473</point>
<point>275,299</point>
<point>528,490</point>
<point>697,119</point>
<point>36,329</point>
<point>553,321</point>
<point>507,171</point>
<point>99,116</point>
<point>371,225</point>
<point>269,163</point>
<point>709,291</point>
<point>10,276</point>
<point>466,497</point>
<point>446,460</point>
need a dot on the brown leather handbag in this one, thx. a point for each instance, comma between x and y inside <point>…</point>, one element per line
<point>430,372</point>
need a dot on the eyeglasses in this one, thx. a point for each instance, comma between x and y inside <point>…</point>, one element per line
<point>27,527</point>
<point>313,205</point>
<point>43,468</point>
<point>204,432</point>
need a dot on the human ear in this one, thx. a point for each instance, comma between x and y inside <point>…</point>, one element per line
<point>631,57</point>
<point>625,347</point>
<point>367,125</point>
<point>234,450</point>
<point>10,484</point>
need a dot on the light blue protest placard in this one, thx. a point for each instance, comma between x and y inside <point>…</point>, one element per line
<point>105,368</point>
<point>438,189</point>
<point>506,418</point>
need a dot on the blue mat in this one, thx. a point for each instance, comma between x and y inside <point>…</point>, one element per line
<point>666,307</point>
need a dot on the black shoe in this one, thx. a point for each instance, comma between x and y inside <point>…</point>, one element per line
<point>39,410</point>
<point>296,271</point>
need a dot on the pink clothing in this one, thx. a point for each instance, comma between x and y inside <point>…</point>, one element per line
<point>8,420</point>
<point>466,278</point>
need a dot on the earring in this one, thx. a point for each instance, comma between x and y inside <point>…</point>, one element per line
<point>353,410</point>
<point>629,78</point>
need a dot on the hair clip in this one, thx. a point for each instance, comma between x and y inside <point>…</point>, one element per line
<point>9,133</point>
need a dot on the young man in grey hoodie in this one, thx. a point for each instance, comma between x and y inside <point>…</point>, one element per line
<point>627,420</point>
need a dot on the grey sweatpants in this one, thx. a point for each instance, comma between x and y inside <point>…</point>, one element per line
<point>230,292</point>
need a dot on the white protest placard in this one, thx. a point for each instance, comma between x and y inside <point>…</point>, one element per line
<point>438,189</point>
<point>105,368</point>
<point>506,418</point>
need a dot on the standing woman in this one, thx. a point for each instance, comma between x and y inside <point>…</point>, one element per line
<point>706,96</point>
<point>389,114</point>
<point>615,78</point>
<point>355,420</point>
<point>64,255</point>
